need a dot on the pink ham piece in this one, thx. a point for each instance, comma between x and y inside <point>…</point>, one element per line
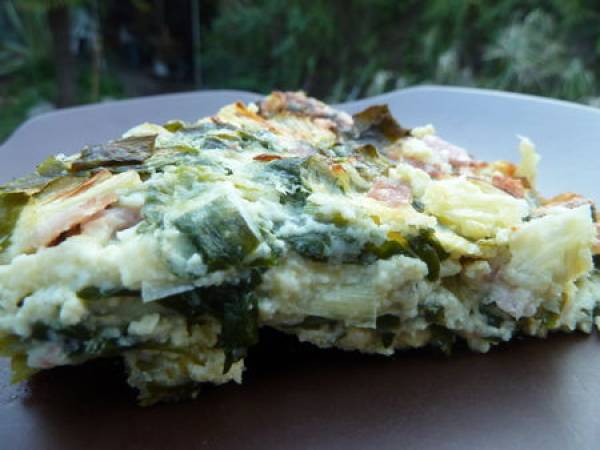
<point>105,223</point>
<point>433,170</point>
<point>513,186</point>
<point>455,155</point>
<point>47,221</point>
<point>59,221</point>
<point>391,192</point>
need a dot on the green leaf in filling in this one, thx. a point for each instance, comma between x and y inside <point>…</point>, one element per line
<point>494,316</point>
<point>388,322</point>
<point>29,184</point>
<point>386,250</point>
<point>92,293</point>
<point>442,338</point>
<point>52,167</point>
<point>240,327</point>
<point>596,260</point>
<point>11,205</point>
<point>235,305</point>
<point>124,152</point>
<point>428,249</point>
<point>220,233</point>
<point>316,323</point>
<point>288,173</point>
<point>174,125</point>
<point>315,246</point>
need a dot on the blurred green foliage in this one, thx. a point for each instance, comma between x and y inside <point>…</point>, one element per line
<point>27,70</point>
<point>334,49</point>
<point>25,58</point>
<point>344,49</point>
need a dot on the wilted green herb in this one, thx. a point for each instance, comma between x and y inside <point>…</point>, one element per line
<point>596,311</point>
<point>52,167</point>
<point>433,313</point>
<point>288,170</point>
<point>92,293</point>
<point>372,251</point>
<point>240,327</point>
<point>418,205</point>
<point>316,322</point>
<point>11,205</point>
<point>387,325</point>
<point>29,184</point>
<point>442,338</point>
<point>219,232</point>
<point>387,339</point>
<point>550,319</point>
<point>174,125</point>
<point>315,246</point>
<point>125,152</point>
<point>429,250</point>
<point>80,342</point>
<point>319,246</point>
<point>388,322</point>
<point>235,305</point>
<point>494,315</point>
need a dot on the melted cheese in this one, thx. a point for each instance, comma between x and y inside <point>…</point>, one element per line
<point>474,210</point>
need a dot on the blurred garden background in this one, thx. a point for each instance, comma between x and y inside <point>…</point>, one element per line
<point>58,53</point>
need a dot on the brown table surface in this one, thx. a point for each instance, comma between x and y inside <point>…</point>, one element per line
<point>531,394</point>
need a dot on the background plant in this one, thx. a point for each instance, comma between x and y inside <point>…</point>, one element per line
<point>334,49</point>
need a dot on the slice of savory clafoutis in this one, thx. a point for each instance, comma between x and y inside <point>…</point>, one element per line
<point>173,245</point>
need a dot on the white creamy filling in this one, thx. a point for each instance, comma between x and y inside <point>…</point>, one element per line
<point>472,209</point>
<point>49,279</point>
<point>350,293</point>
<point>554,249</point>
